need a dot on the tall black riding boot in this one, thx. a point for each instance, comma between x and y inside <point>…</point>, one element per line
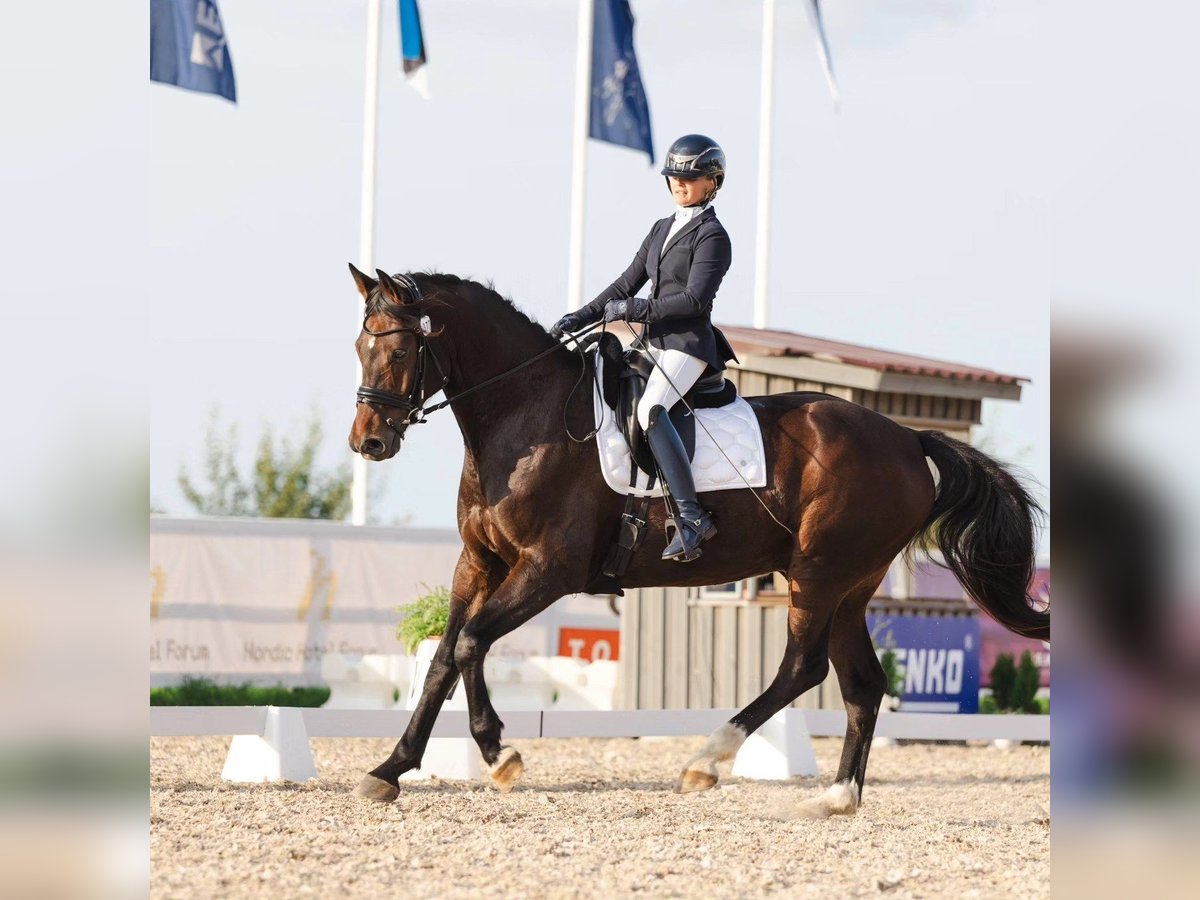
<point>692,524</point>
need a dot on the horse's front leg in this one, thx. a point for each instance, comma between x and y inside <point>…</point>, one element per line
<point>475,577</point>
<point>527,591</point>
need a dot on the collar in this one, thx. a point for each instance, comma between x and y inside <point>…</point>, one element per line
<point>687,213</point>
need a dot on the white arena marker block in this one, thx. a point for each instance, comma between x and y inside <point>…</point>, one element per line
<point>781,748</point>
<point>281,753</point>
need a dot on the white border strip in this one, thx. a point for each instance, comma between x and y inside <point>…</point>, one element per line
<point>180,721</point>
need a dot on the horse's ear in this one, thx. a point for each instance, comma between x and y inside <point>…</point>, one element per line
<point>365,283</point>
<point>391,290</point>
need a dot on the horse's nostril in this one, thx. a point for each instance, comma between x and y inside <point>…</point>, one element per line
<point>372,446</point>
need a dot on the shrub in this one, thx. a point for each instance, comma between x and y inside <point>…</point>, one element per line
<point>1004,678</point>
<point>987,705</point>
<point>202,692</point>
<point>1025,686</point>
<point>891,669</point>
<point>425,617</point>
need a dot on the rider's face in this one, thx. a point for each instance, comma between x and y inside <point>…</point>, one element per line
<point>690,191</point>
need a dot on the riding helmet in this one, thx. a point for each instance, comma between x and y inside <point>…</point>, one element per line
<point>694,156</point>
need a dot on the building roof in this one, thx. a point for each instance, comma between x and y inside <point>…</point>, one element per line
<point>767,342</point>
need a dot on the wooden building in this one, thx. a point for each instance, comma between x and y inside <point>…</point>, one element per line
<point>721,646</point>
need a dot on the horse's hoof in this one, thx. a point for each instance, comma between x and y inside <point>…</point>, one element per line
<point>376,789</point>
<point>695,780</point>
<point>839,799</point>
<point>507,769</point>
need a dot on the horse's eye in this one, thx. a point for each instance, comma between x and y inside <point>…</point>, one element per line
<point>399,354</point>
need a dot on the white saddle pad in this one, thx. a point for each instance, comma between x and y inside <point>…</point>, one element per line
<point>734,428</point>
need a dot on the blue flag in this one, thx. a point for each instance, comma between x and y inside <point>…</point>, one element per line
<point>412,47</point>
<point>188,49</point>
<point>620,114</point>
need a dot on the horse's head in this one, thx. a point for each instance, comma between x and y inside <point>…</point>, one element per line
<point>392,350</point>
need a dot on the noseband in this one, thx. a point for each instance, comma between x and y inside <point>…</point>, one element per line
<point>413,404</point>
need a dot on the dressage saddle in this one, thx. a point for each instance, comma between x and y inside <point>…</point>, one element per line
<point>623,381</point>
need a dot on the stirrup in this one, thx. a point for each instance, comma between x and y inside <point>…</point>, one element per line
<point>685,552</point>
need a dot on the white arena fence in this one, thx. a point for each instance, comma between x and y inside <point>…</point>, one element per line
<point>271,743</point>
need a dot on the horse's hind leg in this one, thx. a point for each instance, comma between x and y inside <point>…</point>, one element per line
<point>863,685</point>
<point>475,577</point>
<point>805,665</point>
<point>525,593</point>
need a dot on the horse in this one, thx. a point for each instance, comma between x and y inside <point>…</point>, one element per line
<point>848,489</point>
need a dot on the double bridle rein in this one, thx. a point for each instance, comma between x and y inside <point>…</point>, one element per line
<point>413,405</point>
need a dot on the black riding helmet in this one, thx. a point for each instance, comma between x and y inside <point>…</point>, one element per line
<point>695,156</point>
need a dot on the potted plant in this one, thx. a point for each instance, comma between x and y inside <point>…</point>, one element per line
<point>424,623</point>
<point>421,628</point>
<point>424,619</point>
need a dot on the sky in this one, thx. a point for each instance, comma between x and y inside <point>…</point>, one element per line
<point>914,219</point>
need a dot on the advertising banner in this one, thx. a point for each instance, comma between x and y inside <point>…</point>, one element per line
<point>242,600</point>
<point>939,659</point>
<point>266,600</point>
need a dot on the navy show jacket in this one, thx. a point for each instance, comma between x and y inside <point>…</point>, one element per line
<point>683,283</point>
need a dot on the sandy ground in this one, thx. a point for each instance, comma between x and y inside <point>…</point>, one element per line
<point>597,818</point>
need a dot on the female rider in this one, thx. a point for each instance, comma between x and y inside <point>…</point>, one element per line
<point>684,257</point>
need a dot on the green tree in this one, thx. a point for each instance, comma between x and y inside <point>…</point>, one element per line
<point>1004,681</point>
<point>285,482</point>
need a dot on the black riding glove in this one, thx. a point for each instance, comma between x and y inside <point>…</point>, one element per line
<point>570,322</point>
<point>628,309</point>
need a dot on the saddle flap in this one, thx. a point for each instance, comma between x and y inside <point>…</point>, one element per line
<point>613,355</point>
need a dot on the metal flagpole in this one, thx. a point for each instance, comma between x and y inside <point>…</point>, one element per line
<point>766,116</point>
<point>366,234</point>
<point>583,92</point>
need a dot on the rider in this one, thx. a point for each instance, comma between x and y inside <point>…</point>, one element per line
<point>684,257</point>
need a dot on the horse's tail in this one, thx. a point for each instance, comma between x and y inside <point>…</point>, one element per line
<point>984,521</point>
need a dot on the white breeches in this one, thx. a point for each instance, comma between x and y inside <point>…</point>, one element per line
<point>665,388</point>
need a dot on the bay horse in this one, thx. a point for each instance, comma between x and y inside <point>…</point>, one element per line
<point>850,486</point>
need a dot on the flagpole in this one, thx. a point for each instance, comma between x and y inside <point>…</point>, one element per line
<point>583,90</point>
<point>366,233</point>
<point>766,116</point>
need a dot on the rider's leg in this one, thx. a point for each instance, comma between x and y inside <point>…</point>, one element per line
<point>675,373</point>
<point>672,367</point>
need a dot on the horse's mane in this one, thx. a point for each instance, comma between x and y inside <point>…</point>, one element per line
<point>430,282</point>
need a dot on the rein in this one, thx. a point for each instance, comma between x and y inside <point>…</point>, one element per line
<point>415,411</point>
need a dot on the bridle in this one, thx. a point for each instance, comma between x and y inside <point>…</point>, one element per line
<point>413,405</point>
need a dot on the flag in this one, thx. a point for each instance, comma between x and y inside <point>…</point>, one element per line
<point>814,11</point>
<point>412,47</point>
<point>620,114</point>
<point>188,49</point>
